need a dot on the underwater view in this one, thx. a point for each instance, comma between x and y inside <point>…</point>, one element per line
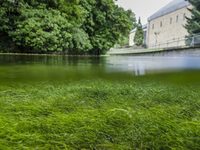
<point>115,102</point>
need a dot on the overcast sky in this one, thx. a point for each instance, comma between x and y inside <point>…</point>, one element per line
<point>143,8</point>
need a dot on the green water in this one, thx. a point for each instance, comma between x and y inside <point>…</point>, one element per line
<point>106,103</point>
<point>29,68</point>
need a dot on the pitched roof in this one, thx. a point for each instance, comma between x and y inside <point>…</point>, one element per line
<point>171,7</point>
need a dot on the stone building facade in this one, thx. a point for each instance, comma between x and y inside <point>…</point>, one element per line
<point>131,37</point>
<point>166,27</point>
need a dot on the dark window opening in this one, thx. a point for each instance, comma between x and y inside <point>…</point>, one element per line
<point>170,20</point>
<point>177,18</point>
<point>184,16</point>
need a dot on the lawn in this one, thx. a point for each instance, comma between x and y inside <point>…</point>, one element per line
<point>100,114</point>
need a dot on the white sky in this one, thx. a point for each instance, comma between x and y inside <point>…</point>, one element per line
<point>143,8</point>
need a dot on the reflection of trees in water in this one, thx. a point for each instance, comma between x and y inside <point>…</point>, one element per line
<point>95,64</point>
<point>26,59</point>
<point>95,60</point>
<point>71,60</point>
<point>91,62</point>
<point>18,59</point>
<point>37,59</point>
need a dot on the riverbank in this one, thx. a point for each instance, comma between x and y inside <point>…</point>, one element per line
<point>151,112</point>
<point>53,54</point>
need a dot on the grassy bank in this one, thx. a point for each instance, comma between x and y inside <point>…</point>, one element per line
<point>100,114</point>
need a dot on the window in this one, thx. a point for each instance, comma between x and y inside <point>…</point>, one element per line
<point>161,24</point>
<point>171,20</point>
<point>184,16</point>
<point>152,26</point>
<point>177,18</point>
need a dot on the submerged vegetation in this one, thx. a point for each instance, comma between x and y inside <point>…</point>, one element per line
<point>68,26</point>
<point>102,113</point>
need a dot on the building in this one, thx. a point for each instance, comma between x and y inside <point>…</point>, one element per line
<point>166,26</point>
<point>132,35</point>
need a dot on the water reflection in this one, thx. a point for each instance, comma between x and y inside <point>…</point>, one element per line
<point>92,66</point>
<point>144,65</point>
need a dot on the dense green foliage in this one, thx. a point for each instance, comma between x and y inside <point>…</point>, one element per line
<point>70,26</point>
<point>139,34</point>
<point>99,115</point>
<point>193,23</point>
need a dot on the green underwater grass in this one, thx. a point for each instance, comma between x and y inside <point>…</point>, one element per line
<point>100,114</point>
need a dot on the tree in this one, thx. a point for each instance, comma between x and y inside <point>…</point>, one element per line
<point>106,24</point>
<point>124,39</point>
<point>72,26</point>
<point>48,30</point>
<point>193,23</point>
<point>43,26</point>
<point>139,35</point>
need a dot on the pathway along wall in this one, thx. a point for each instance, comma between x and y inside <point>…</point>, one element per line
<point>168,52</point>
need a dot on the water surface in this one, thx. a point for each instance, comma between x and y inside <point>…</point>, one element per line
<point>20,68</point>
